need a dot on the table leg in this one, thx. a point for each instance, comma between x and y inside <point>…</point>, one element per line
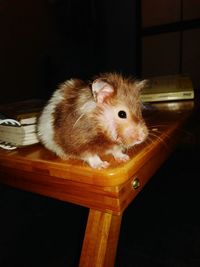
<point>101,239</point>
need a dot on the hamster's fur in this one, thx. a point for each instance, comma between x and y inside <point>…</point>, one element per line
<point>83,120</point>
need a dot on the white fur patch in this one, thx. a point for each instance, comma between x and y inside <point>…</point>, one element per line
<point>45,125</point>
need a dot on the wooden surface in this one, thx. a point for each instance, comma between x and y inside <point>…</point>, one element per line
<point>105,192</point>
<point>37,170</point>
<point>101,238</point>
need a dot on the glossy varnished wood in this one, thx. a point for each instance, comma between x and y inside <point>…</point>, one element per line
<point>105,192</point>
<point>101,238</point>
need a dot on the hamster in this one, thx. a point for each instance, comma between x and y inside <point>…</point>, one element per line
<point>83,120</point>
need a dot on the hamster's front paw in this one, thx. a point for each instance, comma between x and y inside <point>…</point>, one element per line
<point>120,156</point>
<point>95,162</point>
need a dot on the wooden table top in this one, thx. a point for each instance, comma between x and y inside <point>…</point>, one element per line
<point>35,169</point>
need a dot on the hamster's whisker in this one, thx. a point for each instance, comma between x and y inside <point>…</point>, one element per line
<point>78,120</point>
<point>153,136</point>
<point>148,140</point>
<point>155,126</point>
<point>156,129</point>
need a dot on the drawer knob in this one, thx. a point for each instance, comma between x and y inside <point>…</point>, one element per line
<point>135,183</point>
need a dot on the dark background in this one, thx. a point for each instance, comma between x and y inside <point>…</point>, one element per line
<point>44,42</point>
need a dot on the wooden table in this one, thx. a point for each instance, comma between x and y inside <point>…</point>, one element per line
<point>106,192</point>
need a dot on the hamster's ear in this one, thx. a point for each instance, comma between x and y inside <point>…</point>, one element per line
<point>141,84</point>
<point>101,90</point>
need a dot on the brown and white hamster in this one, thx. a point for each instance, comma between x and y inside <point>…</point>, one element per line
<point>83,120</point>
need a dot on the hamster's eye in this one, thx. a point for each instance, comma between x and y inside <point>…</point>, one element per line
<point>122,114</point>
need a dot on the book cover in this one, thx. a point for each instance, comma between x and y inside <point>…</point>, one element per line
<point>25,112</point>
<point>167,88</point>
